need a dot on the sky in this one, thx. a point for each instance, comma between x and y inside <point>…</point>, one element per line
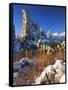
<point>49,18</point>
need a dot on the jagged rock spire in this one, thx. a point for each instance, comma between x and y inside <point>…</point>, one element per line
<point>26,20</point>
<point>30,30</point>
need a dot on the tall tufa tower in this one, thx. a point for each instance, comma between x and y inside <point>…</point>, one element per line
<point>26,20</point>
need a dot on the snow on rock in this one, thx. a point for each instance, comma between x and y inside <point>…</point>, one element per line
<point>62,34</point>
<point>25,60</point>
<point>50,69</point>
<point>58,76</point>
<point>41,78</point>
<point>58,66</point>
<point>52,74</point>
<point>60,70</point>
<point>23,65</point>
<point>62,79</point>
<point>46,76</point>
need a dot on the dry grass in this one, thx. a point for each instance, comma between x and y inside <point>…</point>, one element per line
<point>42,59</point>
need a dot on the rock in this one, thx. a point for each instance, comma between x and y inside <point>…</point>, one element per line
<point>58,66</point>
<point>52,74</point>
<point>62,79</point>
<point>23,65</point>
<point>46,76</point>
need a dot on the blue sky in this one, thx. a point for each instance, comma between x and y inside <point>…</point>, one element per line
<point>49,18</point>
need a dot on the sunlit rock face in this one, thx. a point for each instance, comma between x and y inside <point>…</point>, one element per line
<point>26,20</point>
